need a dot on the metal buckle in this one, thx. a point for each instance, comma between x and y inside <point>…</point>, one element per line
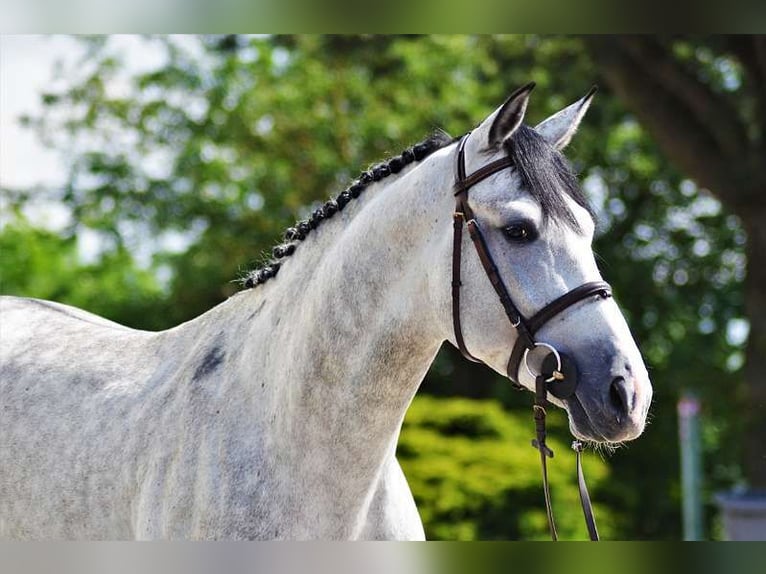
<point>557,375</point>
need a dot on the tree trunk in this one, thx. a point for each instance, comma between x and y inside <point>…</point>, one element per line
<point>755,367</point>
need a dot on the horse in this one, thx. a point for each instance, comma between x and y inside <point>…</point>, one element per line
<point>276,414</point>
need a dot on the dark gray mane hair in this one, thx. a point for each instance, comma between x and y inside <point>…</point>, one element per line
<point>298,232</point>
<point>545,173</point>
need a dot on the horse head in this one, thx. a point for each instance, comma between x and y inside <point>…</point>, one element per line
<point>528,215</point>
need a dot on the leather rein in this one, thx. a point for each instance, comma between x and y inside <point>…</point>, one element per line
<point>558,373</point>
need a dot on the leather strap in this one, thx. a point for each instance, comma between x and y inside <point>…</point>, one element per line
<point>457,246</point>
<point>587,508</point>
<point>482,173</point>
<point>548,312</point>
<point>514,315</point>
<point>526,329</point>
<point>458,220</point>
<point>463,213</point>
<point>545,452</point>
<point>601,288</point>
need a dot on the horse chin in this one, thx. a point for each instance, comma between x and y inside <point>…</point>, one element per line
<point>595,428</point>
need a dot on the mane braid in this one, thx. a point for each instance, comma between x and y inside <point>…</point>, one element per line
<point>294,235</point>
<point>545,173</point>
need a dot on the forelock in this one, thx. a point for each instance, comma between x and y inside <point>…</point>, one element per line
<point>546,175</point>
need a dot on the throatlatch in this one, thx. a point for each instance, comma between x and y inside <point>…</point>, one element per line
<point>558,372</point>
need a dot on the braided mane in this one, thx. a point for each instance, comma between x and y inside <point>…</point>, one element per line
<point>294,235</point>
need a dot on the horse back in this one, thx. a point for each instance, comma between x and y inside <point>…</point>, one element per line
<point>66,394</point>
<point>25,308</point>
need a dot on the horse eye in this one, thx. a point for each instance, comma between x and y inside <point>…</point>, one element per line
<point>518,232</point>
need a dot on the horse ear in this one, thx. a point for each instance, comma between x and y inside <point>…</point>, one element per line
<point>501,124</point>
<point>561,126</point>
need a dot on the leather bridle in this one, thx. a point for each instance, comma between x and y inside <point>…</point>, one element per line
<point>558,373</point>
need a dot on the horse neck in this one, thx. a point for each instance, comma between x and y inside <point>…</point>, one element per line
<point>350,327</point>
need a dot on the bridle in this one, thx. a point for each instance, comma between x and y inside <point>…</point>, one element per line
<point>558,372</point>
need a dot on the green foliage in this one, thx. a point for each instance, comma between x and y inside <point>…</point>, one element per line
<point>475,476</point>
<point>38,263</point>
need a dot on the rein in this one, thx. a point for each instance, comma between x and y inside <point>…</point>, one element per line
<point>558,373</point>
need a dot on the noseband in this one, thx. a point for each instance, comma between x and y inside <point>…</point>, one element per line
<point>558,373</point>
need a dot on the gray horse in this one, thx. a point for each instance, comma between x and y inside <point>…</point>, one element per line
<point>276,414</point>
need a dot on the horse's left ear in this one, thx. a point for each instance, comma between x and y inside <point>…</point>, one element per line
<point>501,123</point>
<point>561,126</point>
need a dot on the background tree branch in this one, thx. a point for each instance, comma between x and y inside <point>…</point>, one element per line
<point>674,105</point>
<point>751,52</point>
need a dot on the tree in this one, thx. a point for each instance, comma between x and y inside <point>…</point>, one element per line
<point>38,263</point>
<point>704,102</point>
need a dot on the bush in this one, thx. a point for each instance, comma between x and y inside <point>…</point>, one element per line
<point>474,474</point>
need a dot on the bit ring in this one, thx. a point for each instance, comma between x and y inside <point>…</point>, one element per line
<point>555,354</point>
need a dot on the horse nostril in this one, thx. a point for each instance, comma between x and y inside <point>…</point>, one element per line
<point>621,396</point>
